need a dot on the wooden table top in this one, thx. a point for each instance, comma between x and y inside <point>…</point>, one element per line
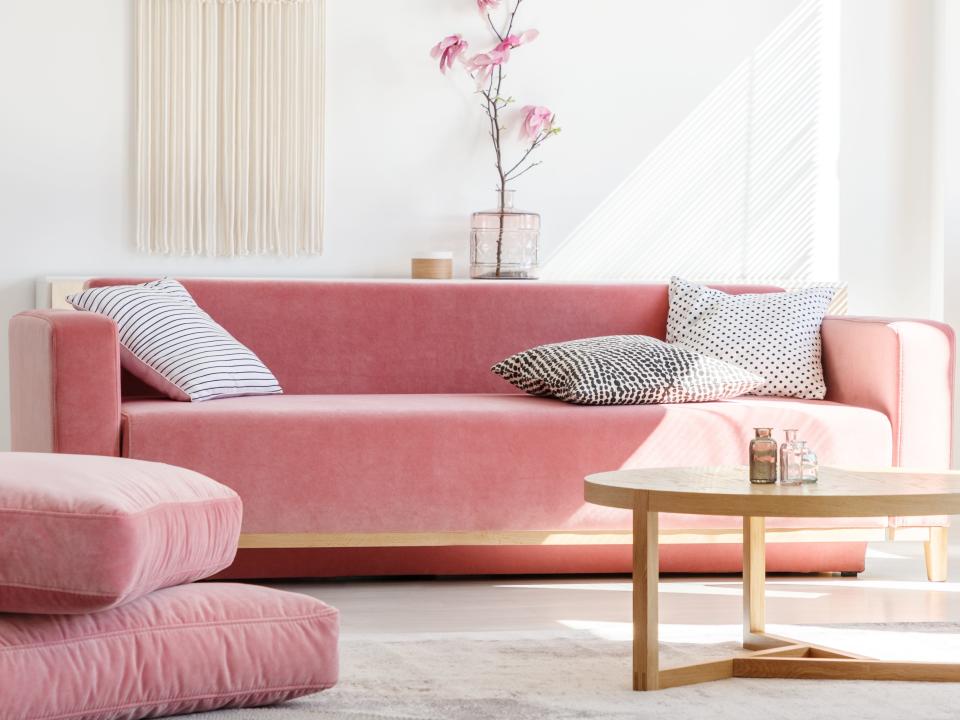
<point>840,492</point>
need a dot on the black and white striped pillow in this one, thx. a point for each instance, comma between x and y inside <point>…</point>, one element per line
<point>167,341</point>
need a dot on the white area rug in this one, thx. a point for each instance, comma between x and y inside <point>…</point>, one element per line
<point>584,672</point>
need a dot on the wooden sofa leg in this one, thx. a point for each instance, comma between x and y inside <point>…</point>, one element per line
<point>935,554</point>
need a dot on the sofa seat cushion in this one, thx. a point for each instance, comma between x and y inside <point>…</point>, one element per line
<point>80,533</point>
<point>178,650</point>
<point>434,463</point>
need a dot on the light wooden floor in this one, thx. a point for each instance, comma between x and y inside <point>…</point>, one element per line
<point>893,589</point>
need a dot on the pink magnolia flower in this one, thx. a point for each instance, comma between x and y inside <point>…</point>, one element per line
<point>485,6</point>
<point>484,63</point>
<point>536,119</point>
<point>514,41</point>
<point>448,50</point>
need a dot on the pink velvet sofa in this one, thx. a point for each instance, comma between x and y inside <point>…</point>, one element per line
<point>394,450</point>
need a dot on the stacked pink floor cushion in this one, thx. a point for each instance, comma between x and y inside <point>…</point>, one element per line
<point>80,533</point>
<point>99,615</point>
<point>178,650</point>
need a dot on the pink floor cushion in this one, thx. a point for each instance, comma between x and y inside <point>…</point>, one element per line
<point>178,650</point>
<point>80,533</point>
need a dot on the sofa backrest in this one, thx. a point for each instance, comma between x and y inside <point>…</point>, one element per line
<point>403,336</point>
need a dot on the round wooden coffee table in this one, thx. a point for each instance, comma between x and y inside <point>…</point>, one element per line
<point>727,491</point>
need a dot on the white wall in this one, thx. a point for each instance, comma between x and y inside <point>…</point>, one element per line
<point>885,161</point>
<point>406,156</point>
<point>946,177</point>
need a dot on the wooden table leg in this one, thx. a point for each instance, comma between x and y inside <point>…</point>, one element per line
<point>935,554</point>
<point>646,574</point>
<point>754,579</point>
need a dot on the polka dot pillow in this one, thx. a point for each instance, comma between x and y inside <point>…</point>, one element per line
<point>775,335</point>
<point>623,370</point>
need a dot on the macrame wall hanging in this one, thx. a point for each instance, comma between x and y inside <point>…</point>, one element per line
<point>230,127</point>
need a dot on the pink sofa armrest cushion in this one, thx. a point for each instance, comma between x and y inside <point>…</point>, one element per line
<point>82,533</point>
<point>64,382</point>
<point>904,369</point>
<point>180,650</point>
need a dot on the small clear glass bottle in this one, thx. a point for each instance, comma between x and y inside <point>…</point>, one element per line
<point>763,457</point>
<point>810,467</point>
<point>791,459</point>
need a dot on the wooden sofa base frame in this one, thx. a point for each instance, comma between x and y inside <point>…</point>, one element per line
<point>934,539</point>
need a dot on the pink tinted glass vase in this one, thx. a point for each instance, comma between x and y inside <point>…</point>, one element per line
<point>505,242</point>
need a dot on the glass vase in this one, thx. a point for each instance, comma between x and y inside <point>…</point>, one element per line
<point>505,242</point>
<point>791,459</point>
<point>811,471</point>
<point>763,457</point>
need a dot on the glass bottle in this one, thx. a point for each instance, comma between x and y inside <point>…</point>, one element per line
<point>505,242</point>
<point>810,468</point>
<point>791,459</point>
<point>763,457</point>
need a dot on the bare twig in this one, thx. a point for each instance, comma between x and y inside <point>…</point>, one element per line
<point>527,169</point>
<point>494,28</point>
<point>538,141</point>
<point>512,16</point>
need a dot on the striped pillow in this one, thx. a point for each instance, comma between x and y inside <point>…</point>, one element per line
<point>167,341</point>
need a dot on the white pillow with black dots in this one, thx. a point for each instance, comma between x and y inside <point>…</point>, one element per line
<point>774,335</point>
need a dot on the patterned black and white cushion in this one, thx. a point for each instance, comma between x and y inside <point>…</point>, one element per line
<point>624,370</point>
<point>170,343</point>
<point>775,335</point>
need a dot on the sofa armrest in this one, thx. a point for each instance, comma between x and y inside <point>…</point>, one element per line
<point>64,383</point>
<point>902,368</point>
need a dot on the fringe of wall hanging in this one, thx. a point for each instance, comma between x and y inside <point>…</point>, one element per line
<point>230,127</point>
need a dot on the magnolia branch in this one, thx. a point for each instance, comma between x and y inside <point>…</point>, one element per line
<point>538,141</point>
<point>527,169</point>
<point>486,69</point>
<point>494,27</point>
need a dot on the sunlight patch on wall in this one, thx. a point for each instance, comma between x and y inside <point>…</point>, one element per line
<point>744,189</point>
